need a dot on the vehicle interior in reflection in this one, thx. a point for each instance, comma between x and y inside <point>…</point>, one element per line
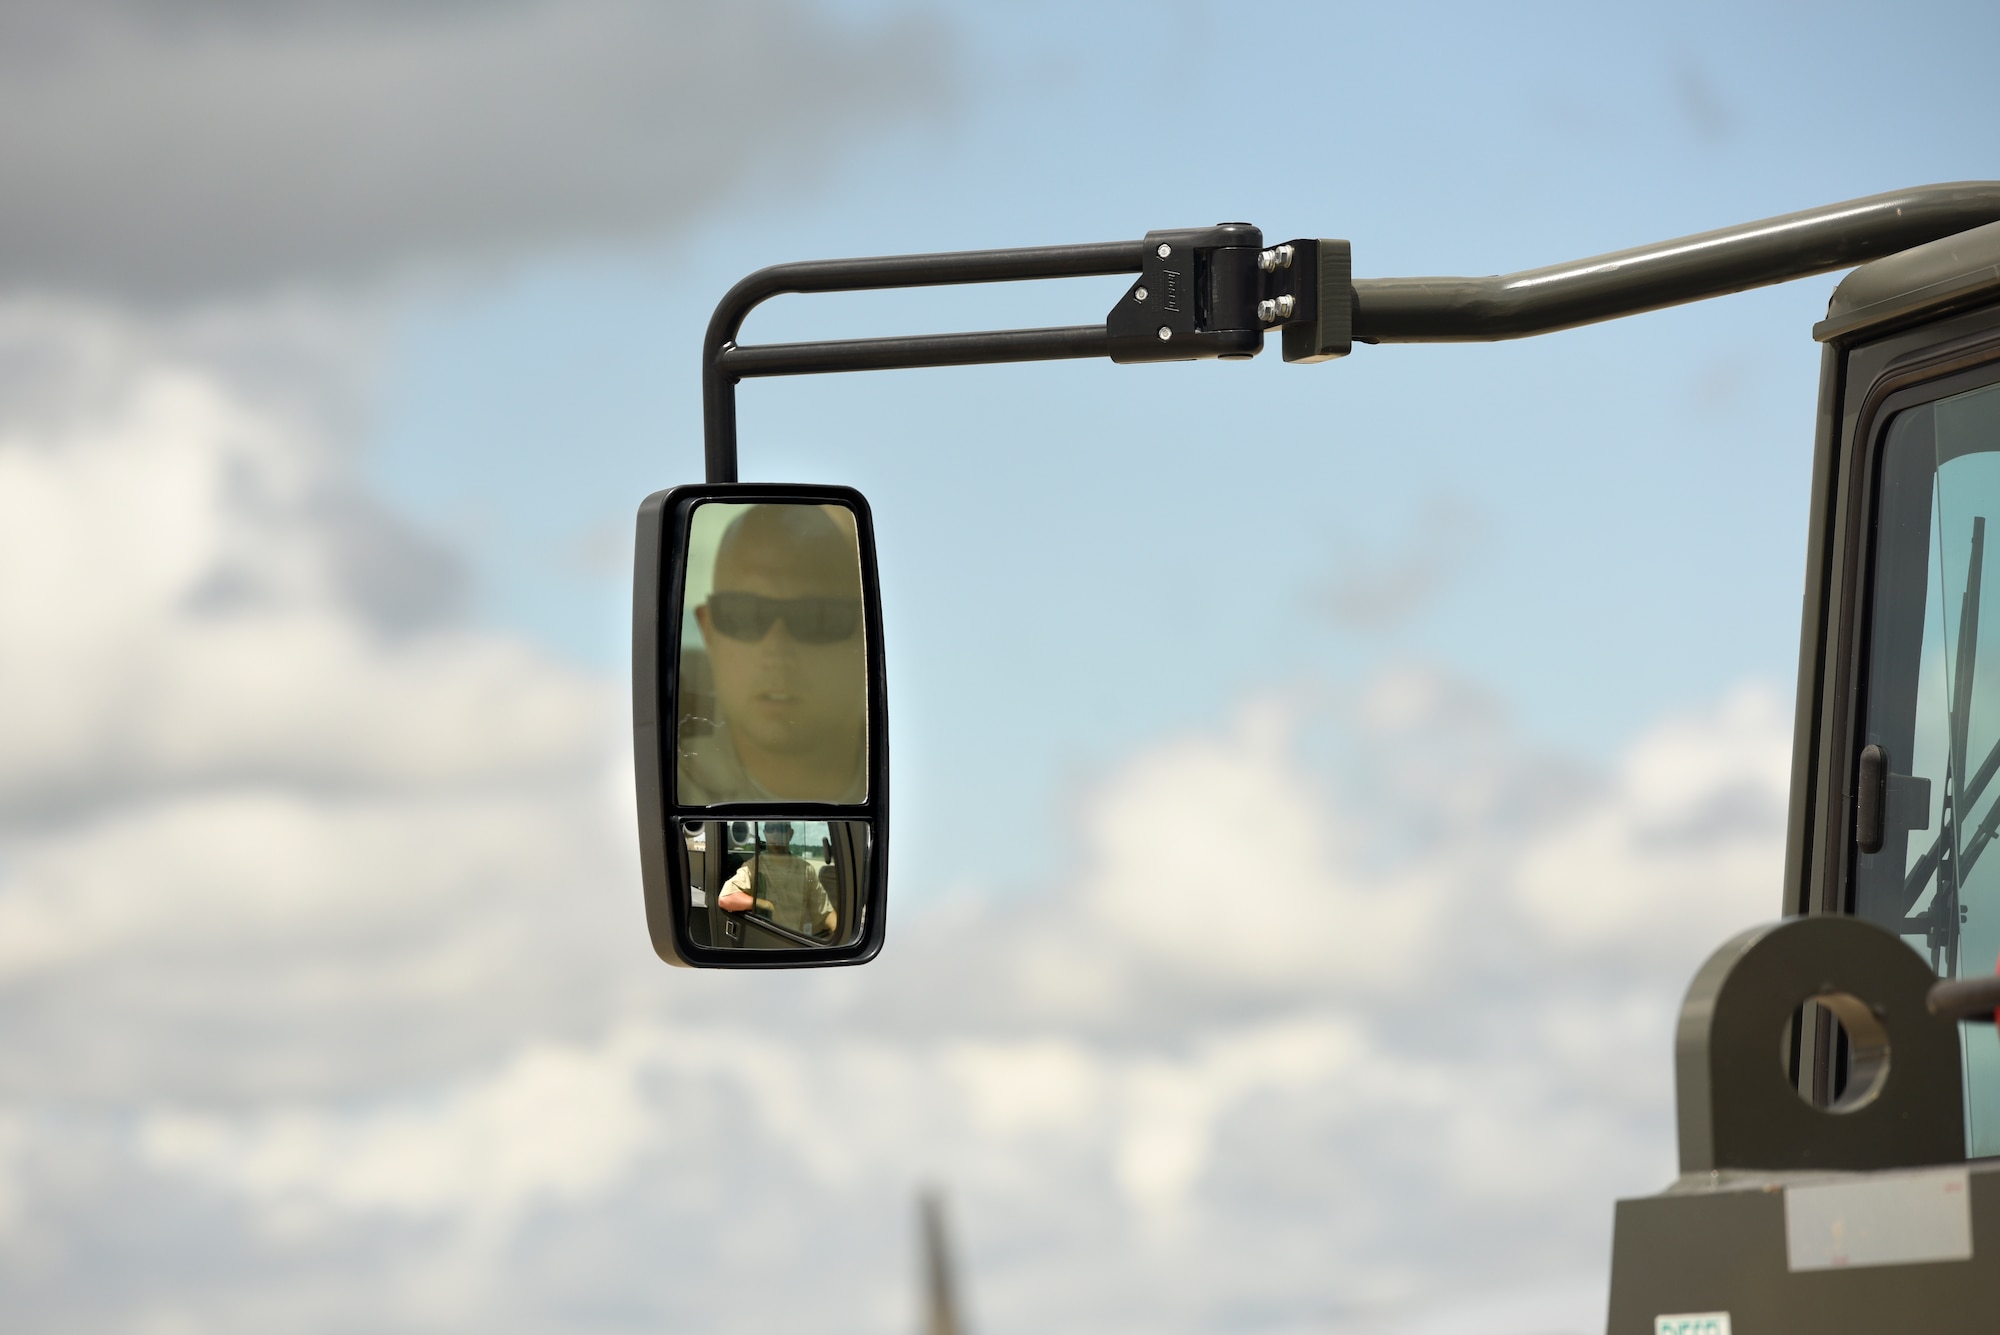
<point>775,884</point>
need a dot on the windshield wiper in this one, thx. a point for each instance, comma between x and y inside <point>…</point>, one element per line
<point>1948,855</point>
<point>1920,873</point>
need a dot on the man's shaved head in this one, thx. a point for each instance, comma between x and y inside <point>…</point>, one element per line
<point>796,545</point>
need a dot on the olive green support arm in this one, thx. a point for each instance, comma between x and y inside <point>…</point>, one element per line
<point>1669,273</point>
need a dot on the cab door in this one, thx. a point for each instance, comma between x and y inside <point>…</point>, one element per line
<point>1896,801</point>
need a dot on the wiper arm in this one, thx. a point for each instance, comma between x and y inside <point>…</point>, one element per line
<point>1981,837</point>
<point>1920,874</point>
<point>1968,660</point>
<point>1942,919</point>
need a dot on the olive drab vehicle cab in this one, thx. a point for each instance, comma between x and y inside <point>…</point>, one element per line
<point>1897,740</point>
<point>1842,1183</point>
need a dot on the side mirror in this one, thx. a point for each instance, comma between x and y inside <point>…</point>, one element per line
<point>759,726</point>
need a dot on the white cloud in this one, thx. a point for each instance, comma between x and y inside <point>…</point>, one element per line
<point>329,1005</point>
<point>1221,855</point>
<point>14,1143</point>
<point>1669,856</point>
<point>1036,1084</point>
<point>554,1123</point>
<point>1172,1107</point>
<point>250,868</point>
<point>174,565</point>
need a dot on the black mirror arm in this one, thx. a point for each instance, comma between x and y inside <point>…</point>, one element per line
<point>1235,290</point>
<point>724,363</point>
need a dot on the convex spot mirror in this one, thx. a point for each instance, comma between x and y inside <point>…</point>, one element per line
<point>759,727</point>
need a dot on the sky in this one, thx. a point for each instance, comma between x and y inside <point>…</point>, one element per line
<point>1314,785</point>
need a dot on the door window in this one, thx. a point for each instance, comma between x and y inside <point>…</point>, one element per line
<point>1933,708</point>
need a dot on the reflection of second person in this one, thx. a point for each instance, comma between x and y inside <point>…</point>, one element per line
<point>782,886</point>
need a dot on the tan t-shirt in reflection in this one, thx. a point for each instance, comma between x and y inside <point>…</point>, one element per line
<point>799,903</point>
<point>710,772</point>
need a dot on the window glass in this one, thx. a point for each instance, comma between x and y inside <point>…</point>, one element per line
<point>1934,708</point>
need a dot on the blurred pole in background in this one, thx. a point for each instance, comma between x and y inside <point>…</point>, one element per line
<point>940,1290</point>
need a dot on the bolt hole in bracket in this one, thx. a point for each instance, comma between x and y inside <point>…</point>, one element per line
<point>1866,1052</point>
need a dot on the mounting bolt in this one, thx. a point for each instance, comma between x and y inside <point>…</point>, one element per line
<point>1273,309</point>
<point>1164,250</point>
<point>1165,333</point>
<point>1277,257</point>
<point>1138,294</point>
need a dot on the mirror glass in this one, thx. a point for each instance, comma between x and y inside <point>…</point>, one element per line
<point>775,884</point>
<point>773,672</point>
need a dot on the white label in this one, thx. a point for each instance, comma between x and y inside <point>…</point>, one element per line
<point>1890,1219</point>
<point>1693,1323</point>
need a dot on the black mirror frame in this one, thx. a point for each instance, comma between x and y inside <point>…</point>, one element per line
<point>657,586</point>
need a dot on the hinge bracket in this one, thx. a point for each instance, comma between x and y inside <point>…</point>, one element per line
<point>1215,291</point>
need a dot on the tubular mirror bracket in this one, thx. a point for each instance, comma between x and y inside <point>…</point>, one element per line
<point>1201,293</point>
<point>724,362</point>
<point>1234,289</point>
<point>1668,273</point>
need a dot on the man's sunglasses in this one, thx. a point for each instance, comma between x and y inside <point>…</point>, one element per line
<point>749,616</point>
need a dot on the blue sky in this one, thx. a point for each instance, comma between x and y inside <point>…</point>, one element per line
<point>322,960</point>
<point>1603,525</point>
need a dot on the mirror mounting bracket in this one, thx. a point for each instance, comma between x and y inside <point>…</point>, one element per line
<point>1307,288</point>
<point>1215,292</point>
<point>1318,276</point>
<point>1196,297</point>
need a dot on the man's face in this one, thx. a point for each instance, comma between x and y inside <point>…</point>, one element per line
<point>783,631</point>
<point>778,838</point>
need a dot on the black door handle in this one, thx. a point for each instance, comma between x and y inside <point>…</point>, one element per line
<point>1871,785</point>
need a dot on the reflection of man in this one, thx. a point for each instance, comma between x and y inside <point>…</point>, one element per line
<point>782,626</point>
<point>781,886</point>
